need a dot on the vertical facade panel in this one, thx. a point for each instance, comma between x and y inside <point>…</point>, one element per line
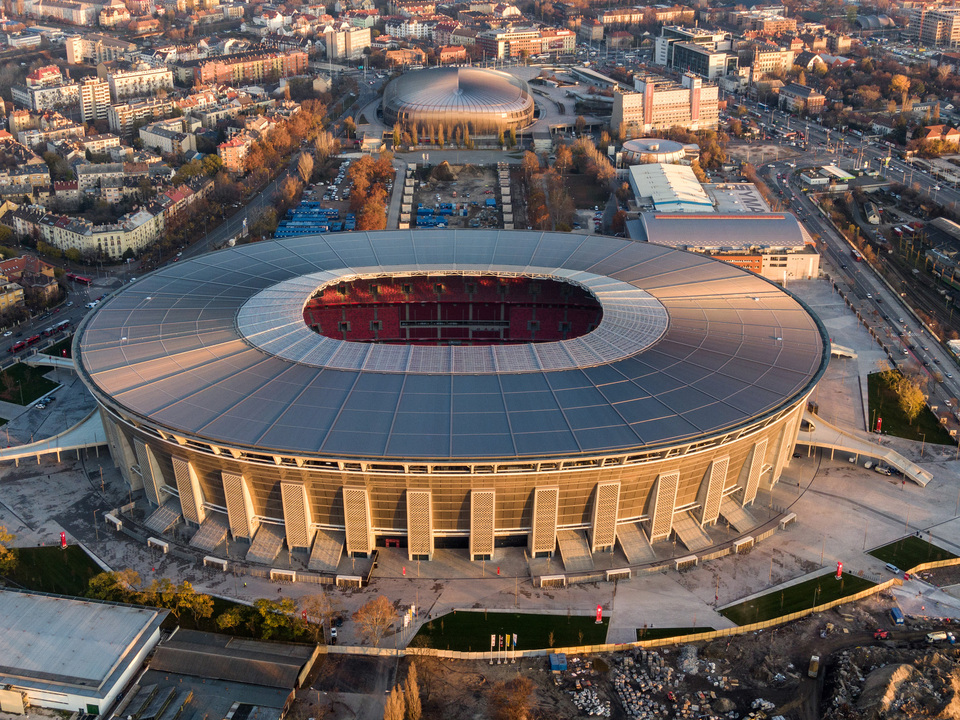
<point>543,536</point>
<point>151,483</point>
<point>419,524</point>
<point>296,515</point>
<point>711,490</point>
<point>603,531</point>
<point>356,515</point>
<point>754,467</point>
<point>243,521</point>
<point>663,500</point>
<point>188,485</point>
<point>482,508</point>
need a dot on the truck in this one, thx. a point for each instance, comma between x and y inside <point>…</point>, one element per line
<point>814,668</point>
<point>936,637</point>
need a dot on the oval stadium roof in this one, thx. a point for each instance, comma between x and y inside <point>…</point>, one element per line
<point>173,349</point>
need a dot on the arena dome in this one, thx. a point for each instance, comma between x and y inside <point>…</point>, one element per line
<point>652,150</point>
<point>474,386</point>
<point>486,101</point>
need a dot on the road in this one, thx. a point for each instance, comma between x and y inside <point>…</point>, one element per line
<point>875,298</point>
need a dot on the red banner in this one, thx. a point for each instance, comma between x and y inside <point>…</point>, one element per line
<point>63,541</point>
<point>599,613</point>
<point>879,422</point>
<point>839,569</point>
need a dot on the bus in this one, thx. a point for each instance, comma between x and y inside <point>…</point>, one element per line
<point>73,277</point>
<point>857,257</point>
<point>17,347</point>
<point>33,340</point>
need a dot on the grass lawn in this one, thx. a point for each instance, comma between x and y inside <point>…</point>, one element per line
<point>883,403</point>
<point>657,633</point>
<point>585,192</point>
<point>57,349</point>
<point>23,377</point>
<point>816,591</point>
<point>50,569</point>
<point>909,552</point>
<point>471,631</point>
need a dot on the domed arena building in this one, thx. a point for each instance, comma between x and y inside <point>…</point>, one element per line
<point>484,101</point>
<point>471,389</point>
<point>653,150</point>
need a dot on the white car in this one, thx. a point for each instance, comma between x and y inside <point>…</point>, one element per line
<point>8,333</point>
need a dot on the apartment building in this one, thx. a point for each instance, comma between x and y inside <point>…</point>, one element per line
<point>767,59</point>
<point>122,116</point>
<point>763,22</point>
<point>168,137</point>
<point>660,104</point>
<point>939,26</point>
<point>515,42</point>
<point>705,53</point>
<point>94,99</point>
<point>67,11</point>
<point>247,67</point>
<point>233,152</point>
<point>134,231</point>
<point>95,49</point>
<point>129,80</point>
<point>346,43</point>
<point>801,99</point>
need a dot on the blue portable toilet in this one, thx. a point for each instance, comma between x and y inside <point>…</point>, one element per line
<point>558,662</point>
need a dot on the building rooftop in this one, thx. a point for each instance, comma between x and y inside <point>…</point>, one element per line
<point>672,188</point>
<point>56,641</point>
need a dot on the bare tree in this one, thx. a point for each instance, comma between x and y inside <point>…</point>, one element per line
<point>411,694</point>
<point>322,606</point>
<point>511,700</point>
<point>305,166</point>
<point>374,618</point>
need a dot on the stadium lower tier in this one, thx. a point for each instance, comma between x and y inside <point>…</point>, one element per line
<point>483,504</point>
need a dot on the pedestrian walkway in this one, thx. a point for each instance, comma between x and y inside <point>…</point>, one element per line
<point>86,434</point>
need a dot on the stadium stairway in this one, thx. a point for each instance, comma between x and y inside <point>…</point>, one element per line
<point>164,517</point>
<point>266,545</point>
<point>327,550</point>
<point>736,515</point>
<point>635,545</point>
<point>212,532</point>
<point>574,551</point>
<point>690,533</point>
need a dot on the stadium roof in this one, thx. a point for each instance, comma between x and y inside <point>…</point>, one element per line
<point>80,646</point>
<point>175,350</point>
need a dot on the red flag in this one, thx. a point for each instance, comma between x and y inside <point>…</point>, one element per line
<point>599,613</point>
<point>63,541</point>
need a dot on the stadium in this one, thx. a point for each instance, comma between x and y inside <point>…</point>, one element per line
<point>462,389</point>
<point>483,101</point>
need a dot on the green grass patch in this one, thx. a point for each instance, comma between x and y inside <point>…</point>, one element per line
<point>52,570</point>
<point>910,551</point>
<point>883,403</point>
<point>57,349</point>
<point>471,631</point>
<point>656,633</point>
<point>21,384</point>
<point>805,595</point>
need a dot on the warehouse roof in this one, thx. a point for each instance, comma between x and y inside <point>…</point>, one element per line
<point>671,188</point>
<point>183,350</point>
<point>50,641</point>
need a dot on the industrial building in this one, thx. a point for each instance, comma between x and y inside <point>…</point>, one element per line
<point>70,654</point>
<point>668,188</point>
<point>461,389</point>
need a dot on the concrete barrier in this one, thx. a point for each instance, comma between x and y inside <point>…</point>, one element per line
<point>114,520</point>
<point>283,575</point>
<point>211,561</point>
<point>159,544</point>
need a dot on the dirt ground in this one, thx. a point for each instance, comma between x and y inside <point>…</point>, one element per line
<point>762,674</point>
<point>466,187</point>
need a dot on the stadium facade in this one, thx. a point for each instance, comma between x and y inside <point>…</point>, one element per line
<point>482,100</point>
<point>452,388</point>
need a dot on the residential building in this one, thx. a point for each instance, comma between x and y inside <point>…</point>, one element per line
<point>168,137</point>
<point>935,25</point>
<point>11,295</point>
<point>67,11</point>
<point>114,14</point>
<point>406,57</point>
<point>122,116</point>
<point>517,42</point>
<point>767,58</point>
<point>247,67</point>
<point>29,271</point>
<point>233,152</point>
<point>96,49</point>
<point>763,22</point>
<point>660,104</point>
<point>39,99</point>
<point>94,99</point>
<point>129,80</point>
<point>801,99</point>
<point>591,30</point>
<point>707,54</point>
<point>347,43</point>
<point>134,231</point>
<point>452,54</point>
<point>941,133</point>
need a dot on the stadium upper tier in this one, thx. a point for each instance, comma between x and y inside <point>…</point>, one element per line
<point>217,350</point>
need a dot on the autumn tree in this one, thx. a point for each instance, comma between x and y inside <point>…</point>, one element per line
<point>530,164</point>
<point>900,85</point>
<point>117,585</point>
<point>511,700</point>
<point>8,554</point>
<point>326,145</point>
<point>305,166</point>
<point>910,397</point>
<point>374,618</point>
<point>411,693</point>
<point>394,708</point>
<point>324,608</point>
<point>564,158</point>
<point>349,126</point>
<point>276,617</point>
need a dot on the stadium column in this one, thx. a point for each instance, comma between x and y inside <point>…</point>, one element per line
<point>297,520</point>
<point>482,518</point>
<point>543,535</point>
<point>419,524</point>
<point>606,505</point>
<point>356,519</point>
<point>711,490</point>
<point>663,498</point>
<point>243,520</point>
<point>788,438</point>
<point>749,479</point>
<point>191,496</point>
<point>123,456</point>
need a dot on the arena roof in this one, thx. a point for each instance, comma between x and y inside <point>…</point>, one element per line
<point>690,231</point>
<point>170,350</point>
<point>467,90</point>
